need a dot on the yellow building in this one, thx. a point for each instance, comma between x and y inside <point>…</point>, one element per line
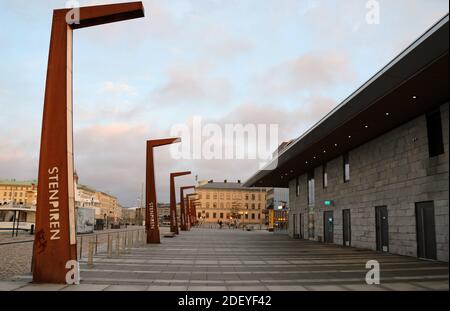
<point>25,193</point>
<point>109,207</point>
<point>231,203</point>
<point>18,192</point>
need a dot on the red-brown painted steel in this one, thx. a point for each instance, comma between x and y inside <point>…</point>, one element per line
<point>173,202</point>
<point>55,238</point>
<point>151,210</point>
<point>183,209</point>
<point>191,213</point>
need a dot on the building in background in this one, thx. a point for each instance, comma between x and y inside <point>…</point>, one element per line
<point>373,173</point>
<point>24,194</point>
<point>164,213</point>
<point>231,203</point>
<point>18,192</point>
<point>133,216</point>
<point>277,209</point>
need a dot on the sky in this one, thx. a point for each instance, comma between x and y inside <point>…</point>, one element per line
<point>284,62</point>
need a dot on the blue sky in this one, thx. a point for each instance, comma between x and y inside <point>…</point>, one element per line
<point>286,61</point>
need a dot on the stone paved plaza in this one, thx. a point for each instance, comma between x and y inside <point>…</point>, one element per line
<point>235,260</point>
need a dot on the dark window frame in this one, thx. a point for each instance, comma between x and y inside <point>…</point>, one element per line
<point>324,176</point>
<point>346,162</point>
<point>311,196</point>
<point>435,133</point>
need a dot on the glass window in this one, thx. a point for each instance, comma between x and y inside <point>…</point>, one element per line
<point>221,215</point>
<point>325,176</point>
<point>346,168</point>
<point>297,187</point>
<point>253,216</point>
<point>214,215</point>
<point>434,130</point>
<point>311,188</point>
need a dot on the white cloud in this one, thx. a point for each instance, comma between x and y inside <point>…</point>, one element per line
<point>117,88</point>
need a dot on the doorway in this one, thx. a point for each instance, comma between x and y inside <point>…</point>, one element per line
<point>382,228</point>
<point>347,229</point>
<point>300,226</point>
<point>294,226</point>
<point>328,224</point>
<point>426,231</point>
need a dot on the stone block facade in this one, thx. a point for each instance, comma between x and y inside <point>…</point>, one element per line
<point>393,170</point>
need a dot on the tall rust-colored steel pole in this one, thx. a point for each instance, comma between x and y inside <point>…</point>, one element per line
<point>173,202</point>
<point>195,203</point>
<point>55,247</point>
<point>183,209</point>
<point>151,210</point>
<point>190,203</point>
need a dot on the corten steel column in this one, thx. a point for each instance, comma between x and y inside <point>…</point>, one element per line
<point>190,204</point>
<point>183,209</point>
<point>55,240</point>
<point>196,203</point>
<point>173,202</point>
<point>151,210</point>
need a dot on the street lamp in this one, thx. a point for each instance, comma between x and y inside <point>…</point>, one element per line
<point>173,203</point>
<point>151,208</point>
<point>55,239</point>
<point>183,209</point>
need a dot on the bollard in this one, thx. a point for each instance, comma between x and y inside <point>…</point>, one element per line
<point>109,247</point>
<point>81,248</point>
<point>96,244</point>
<point>130,241</point>
<point>90,262</point>
<point>124,244</point>
<point>118,245</point>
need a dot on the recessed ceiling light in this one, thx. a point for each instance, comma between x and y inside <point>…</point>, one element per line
<point>314,158</point>
<point>414,97</point>
<point>306,162</point>
<point>335,145</point>
<point>366,126</point>
<point>324,151</point>
<point>387,113</point>
<point>349,136</point>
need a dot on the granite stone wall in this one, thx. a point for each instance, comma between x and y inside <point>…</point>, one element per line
<point>393,170</point>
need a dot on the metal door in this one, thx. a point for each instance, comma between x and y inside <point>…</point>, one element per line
<point>294,226</point>
<point>382,228</point>
<point>300,226</point>
<point>347,231</point>
<point>328,224</point>
<point>426,231</point>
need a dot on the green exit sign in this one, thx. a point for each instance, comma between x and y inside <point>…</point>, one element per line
<point>328,202</point>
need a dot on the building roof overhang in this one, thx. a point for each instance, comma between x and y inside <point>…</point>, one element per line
<point>415,82</point>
